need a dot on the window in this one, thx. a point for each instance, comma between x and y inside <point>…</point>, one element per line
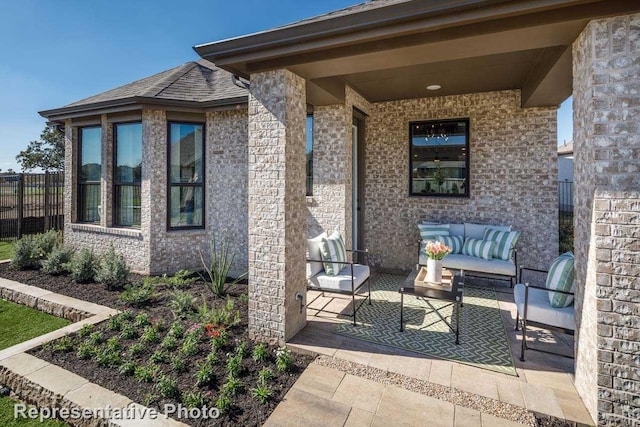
<point>186,177</point>
<point>127,174</point>
<point>89,173</point>
<point>310,155</point>
<point>439,158</point>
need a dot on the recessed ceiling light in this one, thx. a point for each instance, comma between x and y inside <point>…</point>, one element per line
<point>434,87</point>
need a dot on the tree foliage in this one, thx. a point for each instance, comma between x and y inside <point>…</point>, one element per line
<point>47,153</point>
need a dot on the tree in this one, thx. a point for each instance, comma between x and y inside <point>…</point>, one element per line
<point>46,153</point>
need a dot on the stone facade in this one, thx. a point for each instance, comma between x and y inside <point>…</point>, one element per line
<point>606,70</point>
<point>513,175</point>
<point>277,214</point>
<point>153,249</point>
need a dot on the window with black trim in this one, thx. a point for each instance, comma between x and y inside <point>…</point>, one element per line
<point>127,174</point>
<point>439,158</point>
<point>310,155</point>
<point>186,175</point>
<point>89,174</point>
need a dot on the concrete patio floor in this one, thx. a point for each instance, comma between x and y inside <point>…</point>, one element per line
<point>328,396</point>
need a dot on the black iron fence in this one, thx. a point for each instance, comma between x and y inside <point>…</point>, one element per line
<point>565,202</point>
<point>31,203</point>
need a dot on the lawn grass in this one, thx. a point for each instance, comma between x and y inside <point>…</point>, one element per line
<point>6,250</point>
<point>7,419</point>
<point>19,323</point>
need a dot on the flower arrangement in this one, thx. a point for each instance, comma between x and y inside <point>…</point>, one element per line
<point>436,250</point>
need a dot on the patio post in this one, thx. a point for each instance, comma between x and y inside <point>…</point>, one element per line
<point>277,210</point>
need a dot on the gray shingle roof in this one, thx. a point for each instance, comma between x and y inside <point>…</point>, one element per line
<point>198,82</point>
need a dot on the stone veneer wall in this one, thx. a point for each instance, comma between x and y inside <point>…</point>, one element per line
<point>606,70</point>
<point>277,214</point>
<point>513,175</point>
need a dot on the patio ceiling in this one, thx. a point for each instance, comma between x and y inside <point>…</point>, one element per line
<point>394,49</point>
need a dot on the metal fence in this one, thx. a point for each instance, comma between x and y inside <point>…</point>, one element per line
<point>31,203</point>
<point>565,202</point>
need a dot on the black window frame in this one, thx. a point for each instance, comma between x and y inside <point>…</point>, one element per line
<point>80,184</point>
<point>170,185</point>
<point>116,184</point>
<point>467,181</point>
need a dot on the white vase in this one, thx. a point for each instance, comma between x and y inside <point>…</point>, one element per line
<point>434,270</point>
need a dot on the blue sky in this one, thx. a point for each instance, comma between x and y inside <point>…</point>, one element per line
<point>59,51</point>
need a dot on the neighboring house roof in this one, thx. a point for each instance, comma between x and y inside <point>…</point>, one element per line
<point>565,149</point>
<point>196,84</point>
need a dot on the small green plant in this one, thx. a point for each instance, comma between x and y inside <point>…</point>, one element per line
<point>284,360</point>
<point>127,315</point>
<point>212,358</point>
<point>95,338</point>
<point>141,320</point>
<point>115,323</point>
<point>204,374</point>
<point>112,271</point>
<point>150,399</point>
<point>178,364</point>
<point>83,266</point>
<point>182,278</point>
<point>137,295</point>
<point>225,315</point>
<point>108,357</point>
<point>262,393</point>
<point>113,344</point>
<point>127,369</point>
<point>46,242</point>
<point>182,304</point>
<point>242,349</point>
<point>150,335</point>
<point>189,347</point>
<point>58,260</point>
<point>129,332</point>
<point>223,403</point>
<point>86,330</point>
<point>169,343</point>
<point>137,348</point>
<point>86,350</point>
<point>25,254</point>
<point>176,329</point>
<point>260,353</point>
<point>167,386</point>
<point>63,344</point>
<point>146,373</point>
<point>194,399</point>
<point>234,364</point>
<point>265,375</point>
<point>159,356</point>
<point>243,298</point>
<point>219,265</point>
<point>232,386</point>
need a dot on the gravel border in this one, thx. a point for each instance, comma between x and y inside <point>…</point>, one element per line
<point>448,394</point>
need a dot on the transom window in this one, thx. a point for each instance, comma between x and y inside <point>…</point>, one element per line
<point>186,175</point>
<point>89,173</point>
<point>439,158</point>
<point>127,174</point>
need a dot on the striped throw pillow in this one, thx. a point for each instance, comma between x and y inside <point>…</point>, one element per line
<point>560,277</point>
<point>505,242</point>
<point>478,248</point>
<point>454,242</point>
<point>430,231</point>
<point>333,254</point>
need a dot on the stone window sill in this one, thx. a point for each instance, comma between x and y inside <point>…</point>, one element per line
<point>90,228</point>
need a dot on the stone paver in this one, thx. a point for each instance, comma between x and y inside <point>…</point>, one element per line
<point>410,366</point>
<point>510,392</point>
<point>541,399</point>
<point>143,418</point>
<point>440,373</point>
<point>414,408</point>
<point>58,380</point>
<point>319,380</point>
<point>359,418</point>
<point>491,421</point>
<point>466,417</point>
<point>475,381</point>
<point>359,393</point>
<point>573,408</point>
<point>23,363</point>
<point>67,301</point>
<point>300,408</point>
<point>93,396</point>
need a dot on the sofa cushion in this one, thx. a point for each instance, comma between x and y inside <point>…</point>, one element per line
<point>476,231</point>
<point>539,309</point>
<point>505,242</point>
<point>430,231</point>
<point>478,248</point>
<point>341,281</point>
<point>470,263</point>
<point>560,277</point>
<point>454,242</point>
<point>333,254</point>
<point>454,229</point>
<point>313,252</point>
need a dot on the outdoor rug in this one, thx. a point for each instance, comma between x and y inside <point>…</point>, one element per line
<point>483,340</point>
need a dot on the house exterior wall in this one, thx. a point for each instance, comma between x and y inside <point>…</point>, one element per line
<point>606,70</point>
<point>513,175</point>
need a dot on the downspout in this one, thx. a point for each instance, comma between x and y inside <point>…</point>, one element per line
<point>240,83</point>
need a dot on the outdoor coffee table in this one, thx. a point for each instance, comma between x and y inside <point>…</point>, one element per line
<point>454,296</point>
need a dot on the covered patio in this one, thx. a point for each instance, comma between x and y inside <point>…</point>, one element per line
<point>367,74</point>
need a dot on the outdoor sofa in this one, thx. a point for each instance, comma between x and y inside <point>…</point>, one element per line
<point>471,253</point>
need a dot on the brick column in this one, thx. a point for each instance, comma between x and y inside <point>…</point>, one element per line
<point>606,68</point>
<point>277,214</point>
<point>106,215</point>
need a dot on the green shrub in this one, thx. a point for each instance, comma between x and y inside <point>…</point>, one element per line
<point>167,386</point>
<point>169,343</point>
<point>112,271</point>
<point>265,375</point>
<point>205,375</point>
<point>108,357</point>
<point>86,330</point>
<point>189,346</point>
<point>86,350</point>
<point>24,254</point>
<point>225,315</point>
<point>284,360</point>
<point>137,295</point>
<point>193,399</point>
<point>260,353</point>
<point>159,356</point>
<point>115,323</point>
<point>129,332</point>
<point>63,344</point>
<point>182,304</point>
<point>95,338</point>
<point>150,335</point>
<point>177,329</point>
<point>232,386</point>
<point>219,265</point>
<point>223,403</point>
<point>178,364</point>
<point>234,364</point>
<point>127,369</point>
<point>262,393</point>
<point>146,373</point>
<point>241,349</point>
<point>137,348</point>
<point>58,261</point>
<point>83,266</point>
<point>142,319</point>
<point>113,344</point>
<point>46,242</point>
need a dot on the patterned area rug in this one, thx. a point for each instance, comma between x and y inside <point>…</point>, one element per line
<point>483,340</point>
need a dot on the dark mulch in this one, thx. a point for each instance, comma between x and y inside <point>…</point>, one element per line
<point>245,409</point>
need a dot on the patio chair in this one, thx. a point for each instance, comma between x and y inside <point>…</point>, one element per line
<point>348,281</point>
<point>534,303</point>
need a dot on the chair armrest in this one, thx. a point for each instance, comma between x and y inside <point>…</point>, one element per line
<point>332,262</point>
<point>534,269</point>
<point>360,251</point>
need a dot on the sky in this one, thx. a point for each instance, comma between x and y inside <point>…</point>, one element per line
<point>59,51</point>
